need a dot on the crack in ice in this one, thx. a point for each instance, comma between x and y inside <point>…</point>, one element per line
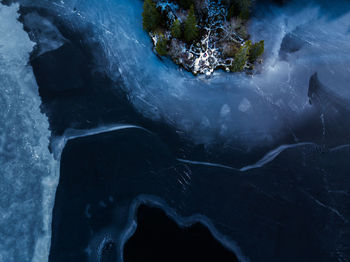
<point>332,209</point>
<point>267,158</point>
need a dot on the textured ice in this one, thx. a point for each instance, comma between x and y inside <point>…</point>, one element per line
<point>225,110</point>
<point>202,108</point>
<point>44,33</point>
<point>277,92</point>
<point>28,171</point>
<point>245,105</point>
<point>194,105</point>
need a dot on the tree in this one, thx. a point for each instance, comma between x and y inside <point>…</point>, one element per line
<point>256,50</point>
<point>191,30</point>
<point>232,12</point>
<point>186,4</point>
<point>150,15</point>
<point>176,29</point>
<point>245,9</point>
<point>162,46</point>
<point>239,8</point>
<point>241,57</point>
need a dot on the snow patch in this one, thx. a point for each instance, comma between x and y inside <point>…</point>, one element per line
<point>245,105</point>
<point>29,173</point>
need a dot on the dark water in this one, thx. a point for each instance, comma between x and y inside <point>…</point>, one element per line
<point>296,205</point>
<point>294,208</point>
<point>94,197</point>
<point>159,238</point>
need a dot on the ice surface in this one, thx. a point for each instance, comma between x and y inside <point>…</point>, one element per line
<point>277,95</point>
<point>44,33</point>
<point>245,105</point>
<point>249,110</point>
<point>28,171</point>
<point>58,143</point>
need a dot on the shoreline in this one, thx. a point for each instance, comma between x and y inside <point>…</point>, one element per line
<point>181,221</point>
<point>210,35</point>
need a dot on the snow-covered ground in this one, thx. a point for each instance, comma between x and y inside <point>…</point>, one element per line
<point>28,175</point>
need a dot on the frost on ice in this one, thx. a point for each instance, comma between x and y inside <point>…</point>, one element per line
<point>27,173</point>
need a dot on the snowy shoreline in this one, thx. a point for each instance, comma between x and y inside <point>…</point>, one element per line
<point>222,40</point>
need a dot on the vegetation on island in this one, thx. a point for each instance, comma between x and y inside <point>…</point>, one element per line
<point>150,16</point>
<point>202,36</point>
<point>241,57</point>
<point>239,8</point>
<point>191,29</point>
<point>185,4</point>
<point>176,29</point>
<point>161,46</point>
<point>256,50</point>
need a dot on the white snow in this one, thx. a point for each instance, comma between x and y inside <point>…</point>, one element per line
<point>225,110</point>
<point>28,175</point>
<point>44,33</point>
<point>245,105</point>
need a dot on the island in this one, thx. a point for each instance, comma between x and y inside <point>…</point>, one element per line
<point>203,35</point>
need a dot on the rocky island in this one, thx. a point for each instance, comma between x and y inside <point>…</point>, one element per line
<point>203,35</point>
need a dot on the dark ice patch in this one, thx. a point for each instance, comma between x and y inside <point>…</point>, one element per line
<point>290,44</point>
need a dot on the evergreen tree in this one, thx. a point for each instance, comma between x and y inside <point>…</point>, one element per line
<point>245,9</point>
<point>256,50</point>
<point>239,8</point>
<point>176,29</point>
<point>150,15</point>
<point>232,12</point>
<point>241,57</point>
<point>185,4</point>
<point>162,46</point>
<point>191,30</point>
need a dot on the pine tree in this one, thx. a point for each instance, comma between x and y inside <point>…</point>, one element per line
<point>232,12</point>
<point>151,16</point>
<point>240,8</point>
<point>176,29</point>
<point>162,46</point>
<point>256,51</point>
<point>191,30</point>
<point>241,57</point>
<point>186,4</point>
<point>245,9</point>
